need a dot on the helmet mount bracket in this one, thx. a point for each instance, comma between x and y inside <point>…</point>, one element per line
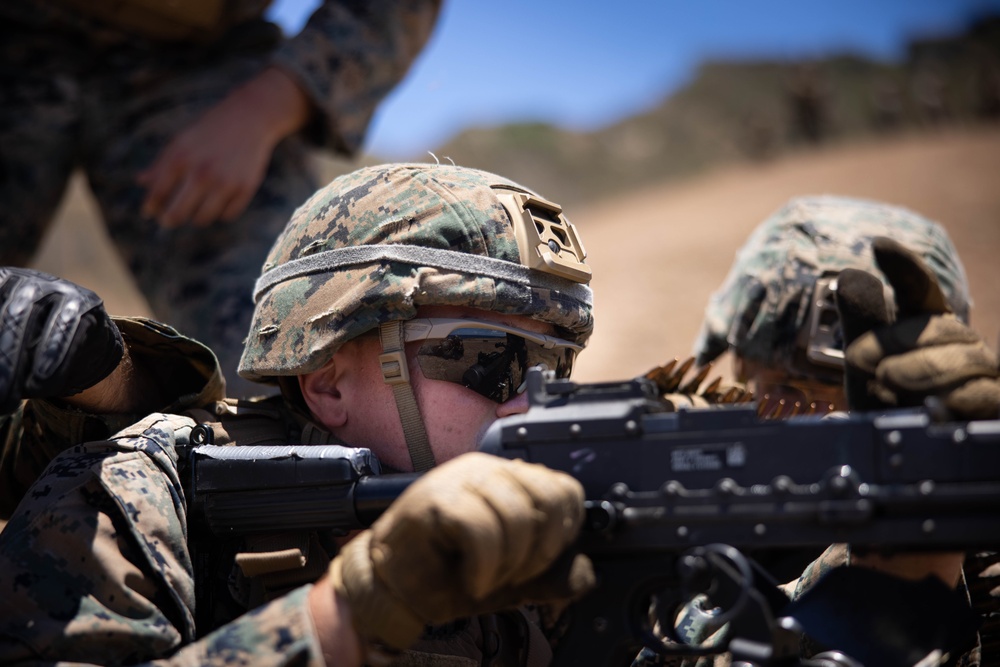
<point>546,240</point>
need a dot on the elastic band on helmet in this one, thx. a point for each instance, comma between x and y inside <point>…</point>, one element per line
<point>437,258</point>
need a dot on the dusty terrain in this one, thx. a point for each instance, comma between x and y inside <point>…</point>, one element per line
<point>658,253</point>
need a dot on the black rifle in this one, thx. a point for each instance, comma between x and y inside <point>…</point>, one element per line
<point>672,498</point>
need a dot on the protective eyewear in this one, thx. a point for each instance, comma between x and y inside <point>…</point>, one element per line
<point>490,358</point>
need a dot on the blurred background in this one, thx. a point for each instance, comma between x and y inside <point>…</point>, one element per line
<point>668,130</point>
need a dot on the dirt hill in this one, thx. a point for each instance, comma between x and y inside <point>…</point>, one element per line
<point>659,252</point>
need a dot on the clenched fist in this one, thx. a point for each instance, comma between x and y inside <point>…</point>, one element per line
<point>924,353</point>
<point>475,535</point>
<point>56,339</point>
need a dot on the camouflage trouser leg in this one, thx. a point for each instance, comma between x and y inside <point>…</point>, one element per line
<point>199,280</point>
<point>38,125</point>
<point>66,105</point>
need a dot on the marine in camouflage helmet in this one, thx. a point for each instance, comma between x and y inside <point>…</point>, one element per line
<point>375,245</point>
<point>776,307</point>
<point>776,312</point>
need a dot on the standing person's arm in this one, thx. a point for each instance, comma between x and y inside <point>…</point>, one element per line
<point>325,82</point>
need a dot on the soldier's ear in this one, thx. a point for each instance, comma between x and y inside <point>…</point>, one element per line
<point>323,393</point>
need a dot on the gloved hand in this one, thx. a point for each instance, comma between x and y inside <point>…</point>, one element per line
<point>926,352</point>
<point>56,339</point>
<point>475,535</point>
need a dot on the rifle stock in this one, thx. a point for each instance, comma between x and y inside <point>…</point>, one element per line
<point>660,486</point>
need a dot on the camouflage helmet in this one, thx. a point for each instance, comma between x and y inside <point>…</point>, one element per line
<point>776,305</point>
<point>376,244</point>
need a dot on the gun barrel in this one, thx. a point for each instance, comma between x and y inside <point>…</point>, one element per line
<point>373,495</point>
<point>245,490</point>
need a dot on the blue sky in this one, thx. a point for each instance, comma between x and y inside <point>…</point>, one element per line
<point>584,64</point>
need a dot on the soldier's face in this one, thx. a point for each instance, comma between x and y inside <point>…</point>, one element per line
<point>350,398</point>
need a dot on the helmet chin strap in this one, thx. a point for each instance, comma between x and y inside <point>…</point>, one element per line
<point>396,373</point>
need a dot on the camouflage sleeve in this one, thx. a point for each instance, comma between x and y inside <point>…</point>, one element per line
<point>185,370</point>
<point>836,555</point>
<point>349,56</point>
<point>94,567</point>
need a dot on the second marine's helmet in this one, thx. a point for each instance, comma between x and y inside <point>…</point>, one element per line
<point>374,245</point>
<point>776,306</point>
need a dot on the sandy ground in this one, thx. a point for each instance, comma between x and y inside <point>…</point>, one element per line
<point>658,253</point>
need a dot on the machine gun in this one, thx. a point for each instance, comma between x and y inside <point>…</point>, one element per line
<point>672,498</point>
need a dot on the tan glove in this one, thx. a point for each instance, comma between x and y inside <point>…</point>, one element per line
<point>926,352</point>
<point>475,535</point>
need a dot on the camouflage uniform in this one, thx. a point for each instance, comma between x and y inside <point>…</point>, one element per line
<point>119,584</point>
<point>186,370</point>
<point>766,301</point>
<point>78,92</point>
<point>96,563</point>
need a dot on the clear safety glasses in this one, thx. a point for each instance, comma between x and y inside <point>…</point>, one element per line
<point>490,358</point>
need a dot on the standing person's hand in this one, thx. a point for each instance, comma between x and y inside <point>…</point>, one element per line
<point>211,170</point>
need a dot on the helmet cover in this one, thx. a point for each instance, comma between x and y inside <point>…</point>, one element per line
<point>376,244</point>
<point>763,304</point>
